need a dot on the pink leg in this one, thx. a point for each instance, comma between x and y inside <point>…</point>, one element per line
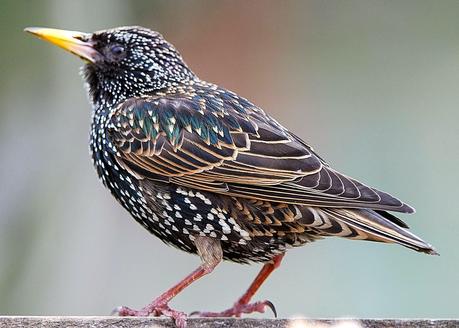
<point>160,305</point>
<point>210,251</point>
<point>242,305</point>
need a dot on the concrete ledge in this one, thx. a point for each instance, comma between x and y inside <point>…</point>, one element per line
<point>118,322</point>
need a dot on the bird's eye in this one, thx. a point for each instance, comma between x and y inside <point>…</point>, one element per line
<point>114,52</point>
<point>117,50</point>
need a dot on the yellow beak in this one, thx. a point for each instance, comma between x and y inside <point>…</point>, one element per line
<point>71,41</point>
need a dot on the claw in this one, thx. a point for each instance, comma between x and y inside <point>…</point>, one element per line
<point>272,307</point>
<point>116,311</point>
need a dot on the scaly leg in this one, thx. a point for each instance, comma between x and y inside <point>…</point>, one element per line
<point>242,305</point>
<point>210,251</point>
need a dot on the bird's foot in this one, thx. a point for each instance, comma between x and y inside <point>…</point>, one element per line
<point>238,309</point>
<point>155,309</point>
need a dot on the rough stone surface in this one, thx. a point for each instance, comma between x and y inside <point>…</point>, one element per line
<point>117,322</point>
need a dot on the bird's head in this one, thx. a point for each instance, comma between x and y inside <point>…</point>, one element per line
<point>122,62</point>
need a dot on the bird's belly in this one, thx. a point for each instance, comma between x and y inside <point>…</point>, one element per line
<point>185,213</point>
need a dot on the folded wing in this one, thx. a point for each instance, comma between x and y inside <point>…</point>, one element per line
<point>210,139</point>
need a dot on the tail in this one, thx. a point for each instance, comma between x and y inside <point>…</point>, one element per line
<point>377,226</point>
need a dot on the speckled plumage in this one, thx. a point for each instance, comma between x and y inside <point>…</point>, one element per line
<point>204,169</point>
<point>249,229</point>
<point>162,136</point>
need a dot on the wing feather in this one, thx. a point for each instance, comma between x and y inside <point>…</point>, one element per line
<point>208,138</point>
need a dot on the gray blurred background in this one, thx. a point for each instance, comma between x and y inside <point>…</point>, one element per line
<point>373,85</point>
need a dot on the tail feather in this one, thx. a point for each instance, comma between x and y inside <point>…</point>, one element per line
<point>376,226</point>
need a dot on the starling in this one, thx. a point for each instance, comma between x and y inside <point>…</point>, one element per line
<point>208,171</point>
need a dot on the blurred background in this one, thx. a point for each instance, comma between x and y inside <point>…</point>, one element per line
<point>373,85</point>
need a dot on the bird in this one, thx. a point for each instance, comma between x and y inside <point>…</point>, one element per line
<point>209,172</point>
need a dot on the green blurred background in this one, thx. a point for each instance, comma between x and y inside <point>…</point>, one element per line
<point>373,85</point>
